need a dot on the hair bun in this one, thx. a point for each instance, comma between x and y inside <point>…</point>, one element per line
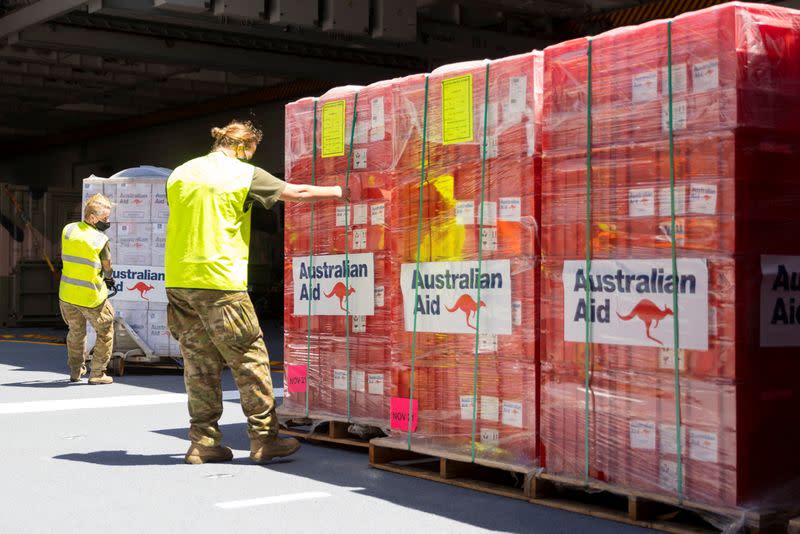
<point>217,133</point>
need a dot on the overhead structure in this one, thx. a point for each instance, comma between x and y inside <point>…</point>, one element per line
<point>75,64</point>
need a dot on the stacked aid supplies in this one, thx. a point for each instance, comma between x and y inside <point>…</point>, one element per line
<point>670,154</point>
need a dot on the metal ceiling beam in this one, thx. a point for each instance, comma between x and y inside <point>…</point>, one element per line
<point>461,42</point>
<point>41,11</point>
<point>167,50</point>
<point>282,92</point>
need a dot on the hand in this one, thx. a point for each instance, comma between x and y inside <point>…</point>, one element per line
<point>109,283</point>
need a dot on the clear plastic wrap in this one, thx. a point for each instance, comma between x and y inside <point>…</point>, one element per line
<point>733,66</point>
<point>735,155</point>
<point>385,185</point>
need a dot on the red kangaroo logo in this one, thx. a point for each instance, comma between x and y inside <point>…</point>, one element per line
<point>340,291</point>
<point>142,288</point>
<point>648,312</point>
<point>468,305</point>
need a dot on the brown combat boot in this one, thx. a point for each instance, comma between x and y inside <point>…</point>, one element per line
<point>200,454</point>
<point>265,448</point>
<point>76,374</point>
<point>100,377</point>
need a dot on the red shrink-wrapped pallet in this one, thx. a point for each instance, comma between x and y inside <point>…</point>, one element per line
<point>469,220</point>
<point>338,270</point>
<point>679,208</point>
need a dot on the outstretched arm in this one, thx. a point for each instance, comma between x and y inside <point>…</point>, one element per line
<point>310,193</point>
<point>266,190</point>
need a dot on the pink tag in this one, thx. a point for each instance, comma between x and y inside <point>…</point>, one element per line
<point>399,416</point>
<point>296,378</point>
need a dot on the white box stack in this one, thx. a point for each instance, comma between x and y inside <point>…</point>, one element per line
<point>138,241</point>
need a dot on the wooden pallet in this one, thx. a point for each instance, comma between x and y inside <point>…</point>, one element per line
<point>322,431</point>
<point>644,509</point>
<point>453,469</point>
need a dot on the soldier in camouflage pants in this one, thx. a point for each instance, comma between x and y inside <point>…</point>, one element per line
<point>215,328</point>
<point>102,320</point>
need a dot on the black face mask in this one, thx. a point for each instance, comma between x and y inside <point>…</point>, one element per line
<point>102,225</point>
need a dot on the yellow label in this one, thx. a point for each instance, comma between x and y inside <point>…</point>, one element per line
<point>333,128</point>
<point>457,110</point>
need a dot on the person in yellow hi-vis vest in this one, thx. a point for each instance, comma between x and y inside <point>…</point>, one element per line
<point>209,310</point>
<point>83,292</point>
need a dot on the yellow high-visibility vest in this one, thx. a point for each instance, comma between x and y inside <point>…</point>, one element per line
<point>208,231</point>
<point>82,275</point>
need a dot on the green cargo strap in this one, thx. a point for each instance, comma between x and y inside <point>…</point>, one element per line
<point>347,250</point>
<point>311,250</point>
<point>416,271</point>
<point>676,330</point>
<point>480,263</point>
<point>588,296</point>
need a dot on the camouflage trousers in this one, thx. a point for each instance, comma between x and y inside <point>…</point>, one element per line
<point>216,328</point>
<point>102,320</point>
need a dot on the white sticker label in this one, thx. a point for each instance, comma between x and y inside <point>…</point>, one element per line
<point>360,239</point>
<point>377,134</point>
<point>680,79</point>
<point>780,294</point>
<point>644,86</point>
<point>378,214</point>
<point>705,76</point>
<point>323,283</point>
<point>343,216</point>
<point>678,115</point>
<point>360,214</point>
<point>490,408</point>
<point>380,294</point>
<point>511,209</point>
<point>703,446</point>
<point>359,324</point>
<point>489,214</point>
<point>357,381</point>
<point>512,413</point>
<point>490,437</point>
<point>666,359</point>
<point>491,114</point>
<point>643,435</point>
<point>340,379</point>
<point>361,134</point>
<point>465,212</point>
<point>489,238</point>
<point>516,312</point>
<point>517,86</point>
<point>376,382</point>
<point>668,475</point>
<point>641,202</point>
<point>466,402</point>
<point>703,199</point>
<point>665,201</point>
<point>447,291</point>
<point>360,158</point>
<point>376,107</point>
<point>491,147</point>
<point>487,343</point>
<point>631,302</point>
<point>668,439</point>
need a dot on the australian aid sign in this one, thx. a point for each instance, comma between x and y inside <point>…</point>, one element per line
<point>329,282</point>
<point>445,297</point>
<point>139,284</point>
<point>780,296</point>
<point>631,302</point>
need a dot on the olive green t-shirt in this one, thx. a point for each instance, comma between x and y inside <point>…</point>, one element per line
<point>266,189</point>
